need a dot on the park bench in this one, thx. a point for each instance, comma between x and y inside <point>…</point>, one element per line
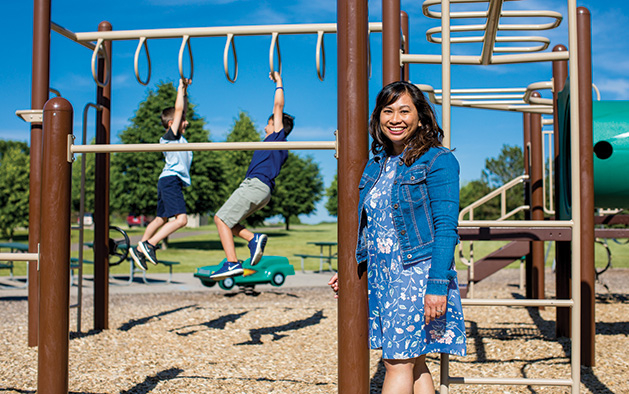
<point>327,259</point>
<point>74,264</point>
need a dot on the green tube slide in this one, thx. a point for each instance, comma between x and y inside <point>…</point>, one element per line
<point>610,121</point>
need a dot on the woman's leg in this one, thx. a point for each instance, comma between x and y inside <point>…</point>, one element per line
<point>422,378</point>
<point>398,378</point>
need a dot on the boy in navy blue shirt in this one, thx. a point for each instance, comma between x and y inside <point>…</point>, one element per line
<point>174,176</point>
<point>255,191</point>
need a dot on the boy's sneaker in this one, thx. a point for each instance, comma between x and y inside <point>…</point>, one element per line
<point>228,269</point>
<point>256,247</point>
<point>149,251</point>
<point>139,258</point>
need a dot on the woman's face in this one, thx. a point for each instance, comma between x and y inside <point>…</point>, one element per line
<point>399,120</point>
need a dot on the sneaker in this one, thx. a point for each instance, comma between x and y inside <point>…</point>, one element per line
<point>228,269</point>
<point>256,246</point>
<point>149,251</point>
<point>139,258</point>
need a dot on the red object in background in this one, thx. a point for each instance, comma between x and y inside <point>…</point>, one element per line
<point>140,220</point>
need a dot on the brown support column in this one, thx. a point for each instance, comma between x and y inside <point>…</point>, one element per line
<point>39,96</point>
<point>563,272</point>
<point>537,201</point>
<point>54,320</point>
<point>390,41</point>
<point>526,123</point>
<point>353,115</point>
<point>101,197</point>
<point>406,75</point>
<point>588,329</point>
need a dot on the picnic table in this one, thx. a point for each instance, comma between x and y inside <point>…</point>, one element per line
<point>13,247</point>
<point>325,255</point>
<point>132,268</point>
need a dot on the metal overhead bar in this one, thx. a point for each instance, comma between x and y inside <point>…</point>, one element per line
<point>94,40</point>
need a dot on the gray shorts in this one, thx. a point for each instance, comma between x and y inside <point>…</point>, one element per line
<point>251,195</point>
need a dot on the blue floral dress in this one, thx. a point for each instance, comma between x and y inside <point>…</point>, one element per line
<point>396,293</point>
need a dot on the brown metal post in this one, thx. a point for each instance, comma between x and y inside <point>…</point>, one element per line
<point>406,75</point>
<point>54,315</point>
<point>588,329</point>
<point>563,273</point>
<point>537,200</point>
<point>353,115</point>
<point>101,197</point>
<point>526,123</point>
<point>39,95</point>
<point>391,39</point>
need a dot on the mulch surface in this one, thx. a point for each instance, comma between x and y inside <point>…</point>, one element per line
<point>285,341</point>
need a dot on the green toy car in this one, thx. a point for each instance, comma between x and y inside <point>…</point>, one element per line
<point>270,269</point>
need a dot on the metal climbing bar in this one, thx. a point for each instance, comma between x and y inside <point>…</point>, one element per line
<point>198,146</point>
<point>530,49</point>
<point>502,99</point>
<point>87,39</point>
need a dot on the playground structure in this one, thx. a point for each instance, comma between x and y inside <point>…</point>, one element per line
<point>55,152</point>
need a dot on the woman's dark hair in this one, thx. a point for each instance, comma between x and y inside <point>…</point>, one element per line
<point>428,135</point>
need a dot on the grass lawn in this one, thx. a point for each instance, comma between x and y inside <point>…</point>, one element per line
<point>196,250</point>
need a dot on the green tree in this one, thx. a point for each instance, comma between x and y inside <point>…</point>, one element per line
<point>14,178</point>
<point>297,189</point>
<point>508,165</point>
<point>332,192</point>
<point>134,176</point>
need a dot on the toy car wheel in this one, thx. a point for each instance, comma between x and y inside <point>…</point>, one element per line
<point>208,283</point>
<point>227,283</point>
<point>278,279</point>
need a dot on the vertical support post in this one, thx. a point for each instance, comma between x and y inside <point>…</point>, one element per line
<point>54,315</point>
<point>562,249</point>
<point>588,329</point>
<point>446,108</point>
<point>406,46</point>
<point>528,262</point>
<point>101,194</point>
<point>353,115</point>
<point>39,96</point>
<point>537,200</point>
<point>391,40</point>
<point>575,195</point>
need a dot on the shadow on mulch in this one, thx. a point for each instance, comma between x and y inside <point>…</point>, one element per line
<point>216,324</point>
<point>136,322</point>
<point>277,331</point>
<point>150,382</point>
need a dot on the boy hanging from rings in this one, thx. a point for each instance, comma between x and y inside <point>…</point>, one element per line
<point>255,191</point>
<point>175,175</point>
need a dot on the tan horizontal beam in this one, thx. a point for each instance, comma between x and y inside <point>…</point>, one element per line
<point>216,31</point>
<point>512,302</point>
<point>516,223</point>
<point>203,146</point>
<point>19,256</point>
<point>512,381</point>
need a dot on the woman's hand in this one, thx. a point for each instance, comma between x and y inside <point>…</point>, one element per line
<point>434,307</point>
<point>334,284</point>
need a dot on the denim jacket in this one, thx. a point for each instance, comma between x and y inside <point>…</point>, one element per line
<point>425,202</point>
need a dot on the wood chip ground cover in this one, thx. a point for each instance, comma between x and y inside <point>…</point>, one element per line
<point>285,341</point>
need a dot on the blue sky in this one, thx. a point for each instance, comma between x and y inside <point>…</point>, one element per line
<point>476,134</point>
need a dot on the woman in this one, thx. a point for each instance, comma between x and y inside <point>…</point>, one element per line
<point>408,208</point>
